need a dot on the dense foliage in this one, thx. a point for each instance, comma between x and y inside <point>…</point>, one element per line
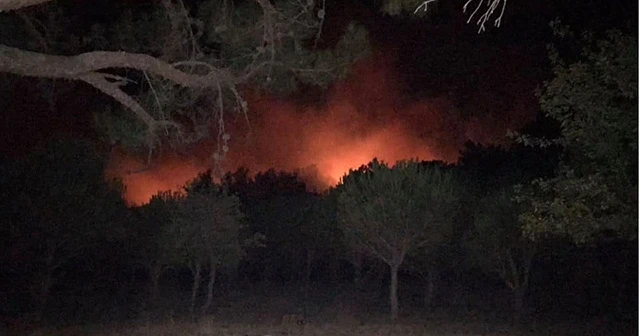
<point>180,67</point>
<point>58,211</point>
<point>497,245</point>
<point>495,221</point>
<point>389,211</point>
<point>595,100</point>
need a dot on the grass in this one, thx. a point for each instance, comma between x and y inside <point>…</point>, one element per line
<point>329,314</point>
<point>210,326</point>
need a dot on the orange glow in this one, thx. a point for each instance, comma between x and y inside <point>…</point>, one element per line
<point>361,118</point>
<point>144,181</point>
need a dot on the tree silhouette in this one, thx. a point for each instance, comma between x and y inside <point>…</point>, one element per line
<point>278,206</point>
<point>153,237</point>
<point>207,224</point>
<point>57,205</point>
<point>497,244</point>
<point>387,212</point>
<point>595,100</point>
<point>211,49</point>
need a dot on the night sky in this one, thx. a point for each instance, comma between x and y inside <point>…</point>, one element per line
<point>431,85</point>
<point>76,247</point>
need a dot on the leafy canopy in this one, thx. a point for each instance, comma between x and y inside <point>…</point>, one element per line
<point>496,242</point>
<point>595,101</point>
<point>207,223</point>
<point>388,211</point>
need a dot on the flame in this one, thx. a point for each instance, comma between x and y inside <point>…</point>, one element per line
<point>363,117</point>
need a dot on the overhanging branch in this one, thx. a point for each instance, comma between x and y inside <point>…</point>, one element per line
<point>28,63</point>
<point>87,67</point>
<point>101,83</point>
<point>9,5</point>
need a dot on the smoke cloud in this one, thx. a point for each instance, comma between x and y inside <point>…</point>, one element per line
<point>363,117</point>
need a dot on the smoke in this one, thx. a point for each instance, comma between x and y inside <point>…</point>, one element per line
<point>169,172</point>
<point>363,117</point>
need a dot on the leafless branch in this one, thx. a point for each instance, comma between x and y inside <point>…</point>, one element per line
<point>33,31</point>
<point>99,82</point>
<point>9,5</point>
<point>424,5</point>
<point>491,5</point>
<point>321,14</point>
<point>181,29</point>
<point>28,63</point>
<point>157,99</point>
<point>86,67</point>
<point>269,36</point>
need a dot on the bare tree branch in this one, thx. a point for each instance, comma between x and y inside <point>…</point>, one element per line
<point>86,67</point>
<point>9,5</point>
<point>28,63</point>
<point>101,83</point>
<point>491,6</point>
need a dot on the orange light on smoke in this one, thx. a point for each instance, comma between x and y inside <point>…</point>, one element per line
<point>142,181</point>
<point>362,118</point>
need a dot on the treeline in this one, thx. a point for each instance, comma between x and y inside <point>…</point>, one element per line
<point>69,242</point>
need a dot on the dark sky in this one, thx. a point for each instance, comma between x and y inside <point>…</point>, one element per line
<point>435,55</point>
<point>435,79</point>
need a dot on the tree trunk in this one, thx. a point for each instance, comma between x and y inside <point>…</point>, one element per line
<point>356,261</point>
<point>520,276</point>
<point>195,287</point>
<point>357,277</point>
<point>42,293</point>
<point>155,272</point>
<point>333,270</point>
<point>307,273</point>
<point>307,285</point>
<point>212,280</point>
<point>429,290</point>
<point>132,281</point>
<point>518,300</point>
<point>265,275</point>
<point>393,292</point>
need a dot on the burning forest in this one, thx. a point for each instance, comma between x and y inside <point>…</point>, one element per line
<point>368,115</point>
<point>338,167</point>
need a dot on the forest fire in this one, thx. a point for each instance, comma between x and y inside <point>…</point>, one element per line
<point>361,118</point>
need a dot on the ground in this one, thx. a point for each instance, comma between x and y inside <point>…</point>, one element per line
<point>343,313</point>
<point>210,326</point>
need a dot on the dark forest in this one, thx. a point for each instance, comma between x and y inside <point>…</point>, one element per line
<point>318,167</point>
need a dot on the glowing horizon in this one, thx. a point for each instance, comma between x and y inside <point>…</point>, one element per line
<point>364,117</point>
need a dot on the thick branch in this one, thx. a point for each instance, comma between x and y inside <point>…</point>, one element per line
<point>8,5</point>
<point>86,67</point>
<point>28,63</point>
<point>99,82</point>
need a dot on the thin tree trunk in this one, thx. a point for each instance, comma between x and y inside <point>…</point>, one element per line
<point>197,276</point>
<point>265,275</point>
<point>393,292</point>
<point>43,291</point>
<point>356,261</point>
<point>357,276</point>
<point>518,300</point>
<point>133,276</point>
<point>429,290</point>
<point>307,285</point>
<point>212,280</point>
<point>307,274</point>
<point>332,270</point>
<point>155,272</point>
<point>155,279</point>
